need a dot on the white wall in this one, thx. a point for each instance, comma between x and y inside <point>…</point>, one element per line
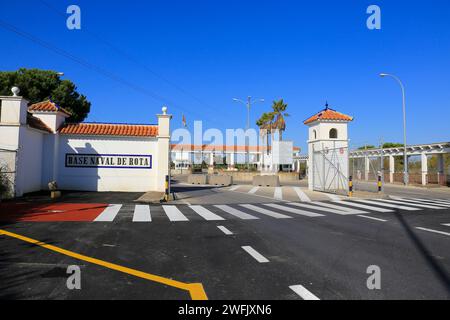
<point>9,136</point>
<point>16,135</point>
<point>48,161</point>
<point>14,110</point>
<point>29,165</point>
<point>53,120</point>
<point>323,130</point>
<point>108,179</point>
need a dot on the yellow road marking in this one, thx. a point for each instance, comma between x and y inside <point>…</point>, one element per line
<point>195,289</point>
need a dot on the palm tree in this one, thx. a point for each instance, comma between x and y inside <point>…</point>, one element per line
<point>279,111</point>
<point>265,124</point>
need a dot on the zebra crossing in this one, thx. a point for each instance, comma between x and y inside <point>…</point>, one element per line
<point>285,193</point>
<point>286,210</point>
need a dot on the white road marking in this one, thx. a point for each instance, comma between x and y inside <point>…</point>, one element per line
<point>278,194</point>
<point>234,188</point>
<point>420,202</point>
<point>434,231</point>
<point>328,210</point>
<point>446,224</point>
<point>440,201</point>
<point>302,196</point>
<point>340,208</point>
<point>174,214</point>
<point>412,204</point>
<point>362,206</point>
<point>304,293</point>
<point>387,205</point>
<point>254,195</point>
<point>266,212</point>
<point>206,214</point>
<point>109,213</point>
<point>237,213</point>
<point>372,218</point>
<point>332,196</point>
<point>225,230</point>
<point>292,210</point>
<point>142,213</point>
<point>253,190</point>
<point>255,254</point>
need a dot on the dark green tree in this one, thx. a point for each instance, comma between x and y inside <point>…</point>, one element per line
<point>40,85</point>
<point>368,147</point>
<point>388,145</point>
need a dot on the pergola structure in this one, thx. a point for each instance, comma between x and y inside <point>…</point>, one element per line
<point>422,150</point>
<point>298,160</point>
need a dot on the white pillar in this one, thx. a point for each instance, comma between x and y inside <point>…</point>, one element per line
<point>211,159</point>
<point>310,164</point>
<point>440,168</point>
<point>163,152</point>
<point>55,157</point>
<point>391,168</point>
<point>231,161</point>
<point>366,167</point>
<point>424,160</point>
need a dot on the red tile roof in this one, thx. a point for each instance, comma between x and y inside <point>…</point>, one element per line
<point>36,123</point>
<point>48,106</point>
<point>109,129</point>
<point>222,148</point>
<point>329,114</point>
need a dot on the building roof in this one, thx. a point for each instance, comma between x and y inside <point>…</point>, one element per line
<point>109,129</point>
<point>48,106</point>
<point>328,114</point>
<point>221,148</point>
<point>37,123</point>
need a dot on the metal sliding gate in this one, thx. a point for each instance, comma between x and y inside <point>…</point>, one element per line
<point>330,169</point>
<point>366,172</point>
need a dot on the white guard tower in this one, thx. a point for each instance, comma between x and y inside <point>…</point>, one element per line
<point>328,165</point>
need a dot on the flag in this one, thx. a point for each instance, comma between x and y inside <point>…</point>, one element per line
<point>184,121</point>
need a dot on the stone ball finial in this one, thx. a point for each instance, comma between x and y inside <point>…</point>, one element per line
<point>164,110</point>
<point>15,91</point>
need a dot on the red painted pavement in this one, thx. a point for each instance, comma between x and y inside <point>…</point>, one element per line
<point>29,212</point>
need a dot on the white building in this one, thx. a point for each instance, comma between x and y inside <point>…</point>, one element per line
<point>37,146</point>
<point>328,152</point>
<point>184,156</point>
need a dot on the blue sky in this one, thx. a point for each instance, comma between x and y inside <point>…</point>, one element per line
<point>305,52</point>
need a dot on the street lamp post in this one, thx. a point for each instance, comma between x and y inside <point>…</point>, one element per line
<point>405,156</point>
<point>248,104</point>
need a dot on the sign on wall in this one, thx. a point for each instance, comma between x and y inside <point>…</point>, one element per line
<point>118,161</point>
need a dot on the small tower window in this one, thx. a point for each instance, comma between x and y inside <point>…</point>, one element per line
<point>315,134</point>
<point>333,134</point>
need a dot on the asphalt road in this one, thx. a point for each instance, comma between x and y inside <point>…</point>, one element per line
<point>400,190</point>
<point>327,255</point>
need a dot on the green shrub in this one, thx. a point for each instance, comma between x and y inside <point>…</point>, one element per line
<point>5,187</point>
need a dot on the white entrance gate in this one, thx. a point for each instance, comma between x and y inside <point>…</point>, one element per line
<point>330,169</point>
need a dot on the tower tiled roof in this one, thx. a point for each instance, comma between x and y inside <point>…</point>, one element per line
<point>328,114</point>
